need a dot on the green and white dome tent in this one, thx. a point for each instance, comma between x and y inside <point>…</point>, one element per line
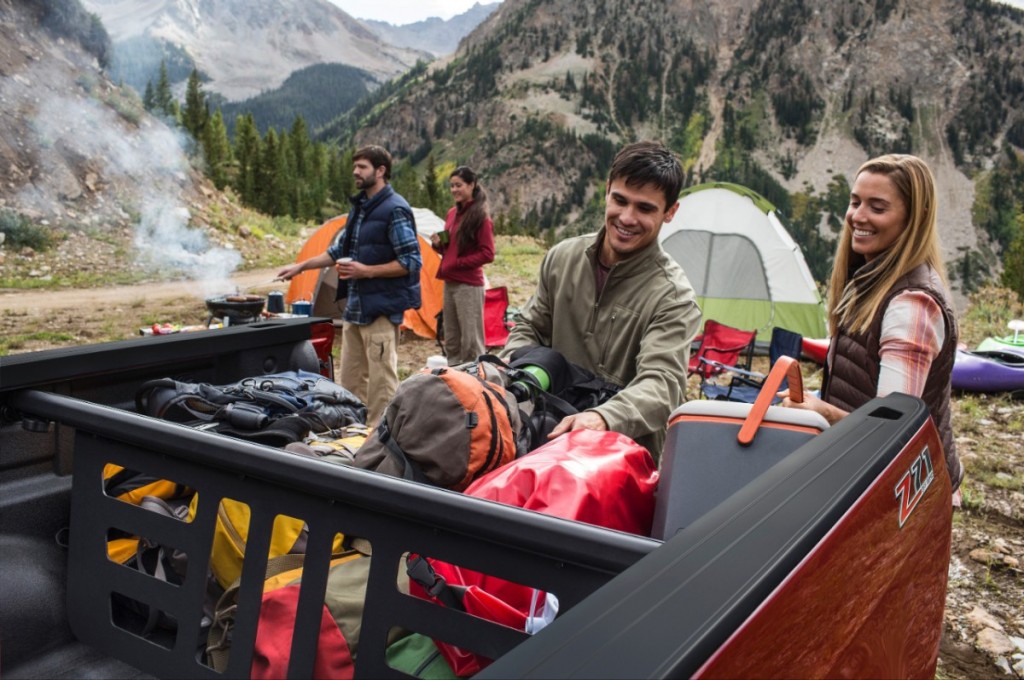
<point>746,269</point>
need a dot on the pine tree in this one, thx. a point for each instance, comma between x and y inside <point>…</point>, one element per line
<point>266,181</point>
<point>273,184</point>
<point>163,99</point>
<point>1013,261</point>
<point>247,153</point>
<point>217,150</point>
<point>288,182</point>
<point>340,183</point>
<point>334,180</point>
<point>405,181</point>
<point>196,113</point>
<point>149,98</point>
<point>317,185</point>
<point>431,189</point>
<point>300,147</point>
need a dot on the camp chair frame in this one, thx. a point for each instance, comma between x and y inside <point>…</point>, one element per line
<point>746,384</point>
<point>722,346</point>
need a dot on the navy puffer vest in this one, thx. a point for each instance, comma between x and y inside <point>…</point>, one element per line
<point>381,296</point>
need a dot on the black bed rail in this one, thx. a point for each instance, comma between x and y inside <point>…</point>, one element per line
<point>569,559</point>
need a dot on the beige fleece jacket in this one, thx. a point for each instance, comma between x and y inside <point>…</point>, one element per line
<point>637,333</point>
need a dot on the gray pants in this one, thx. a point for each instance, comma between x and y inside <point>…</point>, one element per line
<point>463,322</point>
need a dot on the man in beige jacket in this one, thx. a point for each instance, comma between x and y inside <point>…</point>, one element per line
<point>618,305</point>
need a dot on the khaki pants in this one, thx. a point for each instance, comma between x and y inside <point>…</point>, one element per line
<point>463,322</point>
<point>369,364</point>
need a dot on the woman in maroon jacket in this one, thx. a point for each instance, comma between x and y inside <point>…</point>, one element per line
<point>466,245</point>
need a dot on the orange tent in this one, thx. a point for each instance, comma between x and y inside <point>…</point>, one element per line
<point>321,286</point>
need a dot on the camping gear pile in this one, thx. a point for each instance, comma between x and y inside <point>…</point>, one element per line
<point>484,417</point>
<point>275,409</point>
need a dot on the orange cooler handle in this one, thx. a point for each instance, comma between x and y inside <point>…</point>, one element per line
<point>785,367</point>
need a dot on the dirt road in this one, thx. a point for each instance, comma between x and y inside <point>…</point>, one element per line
<point>256,281</point>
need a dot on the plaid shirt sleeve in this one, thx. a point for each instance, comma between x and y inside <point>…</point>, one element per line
<point>402,235</point>
<point>913,331</point>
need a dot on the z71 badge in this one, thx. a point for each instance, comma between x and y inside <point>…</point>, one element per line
<point>911,487</point>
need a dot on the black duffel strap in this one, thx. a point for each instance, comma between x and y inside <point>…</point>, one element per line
<point>421,571</point>
<point>410,470</point>
<point>562,408</point>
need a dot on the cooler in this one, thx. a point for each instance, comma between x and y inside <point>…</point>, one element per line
<point>714,448</point>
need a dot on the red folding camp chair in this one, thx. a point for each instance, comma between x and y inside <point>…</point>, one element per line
<point>745,385</point>
<point>722,346</point>
<point>496,324</point>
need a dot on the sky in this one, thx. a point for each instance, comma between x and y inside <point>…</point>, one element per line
<point>400,12</point>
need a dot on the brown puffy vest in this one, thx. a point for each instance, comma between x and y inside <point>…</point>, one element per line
<point>852,378</point>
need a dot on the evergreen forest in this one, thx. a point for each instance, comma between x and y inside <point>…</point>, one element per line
<point>279,170</point>
<point>283,162</point>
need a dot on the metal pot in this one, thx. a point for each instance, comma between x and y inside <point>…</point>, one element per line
<point>235,307</point>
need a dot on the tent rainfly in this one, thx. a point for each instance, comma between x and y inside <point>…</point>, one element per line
<point>745,268</point>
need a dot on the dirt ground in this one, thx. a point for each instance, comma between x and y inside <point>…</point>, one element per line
<point>984,633</point>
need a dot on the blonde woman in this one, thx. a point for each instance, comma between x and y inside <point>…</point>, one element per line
<point>892,327</point>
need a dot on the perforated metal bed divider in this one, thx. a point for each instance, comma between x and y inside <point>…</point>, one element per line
<point>396,517</point>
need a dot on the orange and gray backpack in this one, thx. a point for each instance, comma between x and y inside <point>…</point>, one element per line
<point>445,427</point>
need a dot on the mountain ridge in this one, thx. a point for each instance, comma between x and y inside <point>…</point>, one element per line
<point>784,95</point>
<point>437,36</point>
<point>248,47</point>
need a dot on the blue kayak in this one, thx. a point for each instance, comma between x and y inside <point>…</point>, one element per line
<point>988,371</point>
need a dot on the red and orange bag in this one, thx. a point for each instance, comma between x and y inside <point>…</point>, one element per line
<point>444,427</point>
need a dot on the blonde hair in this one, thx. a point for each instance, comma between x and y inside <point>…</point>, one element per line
<point>856,292</point>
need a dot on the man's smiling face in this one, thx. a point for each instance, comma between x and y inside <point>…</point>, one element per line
<point>632,218</point>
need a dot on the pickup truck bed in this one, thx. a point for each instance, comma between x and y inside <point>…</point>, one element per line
<point>758,580</point>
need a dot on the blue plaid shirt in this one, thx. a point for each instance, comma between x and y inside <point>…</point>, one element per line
<point>402,234</point>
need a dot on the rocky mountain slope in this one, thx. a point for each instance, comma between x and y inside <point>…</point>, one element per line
<point>798,91</point>
<point>110,186</point>
<point>437,36</point>
<point>247,46</point>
